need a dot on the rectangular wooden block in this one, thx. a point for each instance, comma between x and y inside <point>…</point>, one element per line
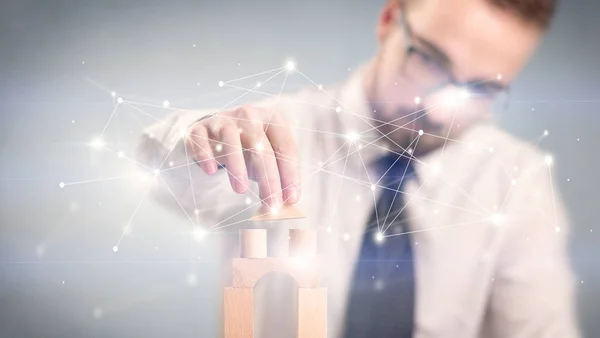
<point>312,313</point>
<point>238,310</point>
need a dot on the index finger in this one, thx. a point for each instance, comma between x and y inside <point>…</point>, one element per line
<point>285,150</point>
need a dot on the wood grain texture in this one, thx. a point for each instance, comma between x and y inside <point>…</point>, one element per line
<point>287,211</point>
<point>246,272</point>
<point>238,308</point>
<point>312,313</point>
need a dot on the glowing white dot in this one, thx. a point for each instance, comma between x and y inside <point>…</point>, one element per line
<point>113,94</point>
<point>577,140</point>
<point>197,212</point>
<point>194,46</point>
<point>259,146</point>
<point>557,228</point>
<point>581,282</point>
<point>410,151</point>
<point>491,149</point>
<point>513,182</point>
<point>97,143</point>
<point>61,184</point>
<point>199,233</point>
<point>221,83</point>
<point>258,84</point>
<point>83,62</point>
<point>338,109</point>
<point>373,187</point>
<point>417,100</point>
<point>498,219</point>
<point>352,136</point>
<point>274,211</point>
<point>499,77</point>
<point>115,248</point>
<point>171,164</point>
<point>121,154</point>
<point>290,65</point>
<point>97,313</point>
<point>120,100</point>
<point>248,201</point>
<point>329,229</point>
<point>436,168</point>
<point>218,147</point>
<point>568,180</point>
<point>548,159</point>
<point>379,237</point>
<point>73,121</point>
<point>156,171</point>
<point>166,103</point>
<point>421,132</point>
<point>320,87</point>
<point>546,132</point>
<point>192,279</point>
<point>63,282</point>
<point>346,236</point>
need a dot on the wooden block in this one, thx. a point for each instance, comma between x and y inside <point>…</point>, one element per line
<point>312,313</point>
<point>248,271</point>
<point>303,243</point>
<point>253,243</point>
<point>238,313</point>
<point>287,211</point>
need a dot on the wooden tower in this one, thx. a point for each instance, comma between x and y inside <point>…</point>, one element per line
<point>301,264</point>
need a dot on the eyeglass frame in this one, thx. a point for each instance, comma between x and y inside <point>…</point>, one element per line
<point>410,49</point>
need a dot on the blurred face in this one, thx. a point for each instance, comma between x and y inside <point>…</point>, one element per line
<point>441,64</point>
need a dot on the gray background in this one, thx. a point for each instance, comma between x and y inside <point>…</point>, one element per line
<point>60,59</point>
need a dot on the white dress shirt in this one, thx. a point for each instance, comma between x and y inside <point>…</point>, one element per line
<point>488,228</point>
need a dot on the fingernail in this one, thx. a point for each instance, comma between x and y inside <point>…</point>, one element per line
<point>240,184</point>
<point>292,195</point>
<point>212,167</point>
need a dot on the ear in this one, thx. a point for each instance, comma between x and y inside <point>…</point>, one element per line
<point>387,19</point>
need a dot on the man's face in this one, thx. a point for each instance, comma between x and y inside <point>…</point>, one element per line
<point>468,41</point>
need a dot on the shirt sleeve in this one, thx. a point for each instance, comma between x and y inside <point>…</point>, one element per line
<point>533,286</point>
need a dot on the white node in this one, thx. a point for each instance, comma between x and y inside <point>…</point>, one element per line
<point>410,151</point>
<point>421,132</point>
<point>373,187</point>
<point>156,171</point>
<point>417,100</point>
<point>113,94</point>
<point>498,219</point>
<point>379,237</point>
<point>192,279</point>
<point>320,87</point>
<point>258,84</point>
<point>546,132</point>
<point>499,77</point>
<point>346,236</point>
<point>166,103</point>
<point>274,211</point>
<point>437,168</point>
<point>548,159</point>
<point>218,147</point>
<point>513,182</point>
<point>97,143</point>
<point>248,201</point>
<point>197,212</point>
<point>121,154</point>
<point>199,233</point>
<point>557,229</point>
<point>338,109</point>
<point>194,46</point>
<point>259,146</point>
<point>171,163</point>
<point>352,136</point>
<point>183,132</point>
<point>120,100</point>
<point>491,149</point>
<point>61,184</point>
<point>329,229</point>
<point>115,248</point>
<point>73,121</point>
<point>290,65</point>
<point>221,83</point>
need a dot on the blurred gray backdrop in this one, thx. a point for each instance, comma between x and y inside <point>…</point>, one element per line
<point>59,62</point>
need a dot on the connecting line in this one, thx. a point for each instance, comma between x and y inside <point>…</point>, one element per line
<point>340,186</point>
<point>180,205</point>
<point>134,213</point>
<point>257,74</point>
<point>109,119</point>
<point>437,228</point>
<point>416,140</point>
<point>94,180</point>
<point>448,134</point>
<point>405,205</point>
<point>556,227</point>
<point>187,159</point>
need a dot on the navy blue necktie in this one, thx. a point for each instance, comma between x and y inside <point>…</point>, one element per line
<point>381,300</point>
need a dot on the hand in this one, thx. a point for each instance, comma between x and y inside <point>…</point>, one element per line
<point>251,143</point>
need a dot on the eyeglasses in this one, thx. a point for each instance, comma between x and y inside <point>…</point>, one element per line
<point>433,74</point>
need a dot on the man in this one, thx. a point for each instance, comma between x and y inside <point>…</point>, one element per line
<point>471,240</point>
